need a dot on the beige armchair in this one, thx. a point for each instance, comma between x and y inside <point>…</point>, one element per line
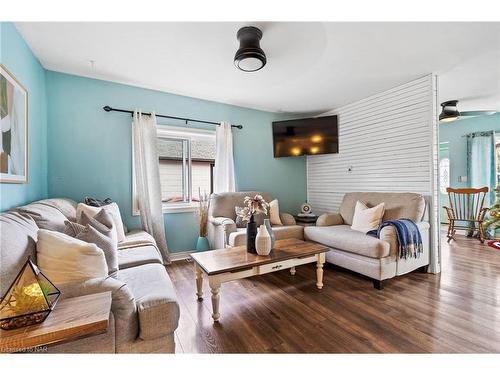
<point>222,230</point>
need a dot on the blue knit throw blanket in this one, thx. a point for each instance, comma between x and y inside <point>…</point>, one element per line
<point>409,238</point>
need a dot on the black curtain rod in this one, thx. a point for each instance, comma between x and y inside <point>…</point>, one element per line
<point>107,108</point>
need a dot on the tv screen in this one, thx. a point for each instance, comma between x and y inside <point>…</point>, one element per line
<point>309,136</point>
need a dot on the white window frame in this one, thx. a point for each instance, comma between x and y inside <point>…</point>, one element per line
<point>174,133</point>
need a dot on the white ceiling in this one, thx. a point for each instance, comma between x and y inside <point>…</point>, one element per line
<point>312,67</point>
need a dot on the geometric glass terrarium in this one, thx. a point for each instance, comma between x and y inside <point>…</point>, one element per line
<point>29,300</point>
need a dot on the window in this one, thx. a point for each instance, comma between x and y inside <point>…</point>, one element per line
<point>497,149</point>
<point>186,164</point>
<point>444,170</point>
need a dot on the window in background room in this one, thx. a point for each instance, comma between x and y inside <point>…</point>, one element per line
<point>186,163</point>
<point>497,151</point>
<point>444,177</point>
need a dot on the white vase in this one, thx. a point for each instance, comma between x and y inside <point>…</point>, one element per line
<point>263,241</point>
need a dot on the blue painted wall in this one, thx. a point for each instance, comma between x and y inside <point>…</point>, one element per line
<point>17,57</point>
<point>89,150</point>
<point>453,132</point>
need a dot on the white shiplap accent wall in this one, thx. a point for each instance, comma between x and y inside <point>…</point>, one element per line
<point>387,142</point>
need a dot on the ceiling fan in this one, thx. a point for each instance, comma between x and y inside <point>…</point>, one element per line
<point>449,112</point>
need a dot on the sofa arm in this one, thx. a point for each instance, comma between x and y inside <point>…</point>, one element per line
<point>388,234</point>
<point>287,219</point>
<point>423,226</point>
<point>220,220</point>
<point>123,303</point>
<point>328,219</point>
<point>158,313</point>
<point>219,229</point>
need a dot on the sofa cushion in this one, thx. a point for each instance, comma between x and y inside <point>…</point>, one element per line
<point>274,212</point>
<point>101,235</point>
<point>136,237</point>
<point>103,222</point>
<point>65,205</point>
<point>344,238</point>
<point>66,259</point>
<point>113,210</point>
<point>397,205</point>
<point>18,235</point>
<point>46,216</point>
<point>138,255</point>
<point>155,299</point>
<point>239,237</point>
<point>367,218</point>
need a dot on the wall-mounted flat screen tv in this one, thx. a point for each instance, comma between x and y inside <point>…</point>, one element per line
<point>308,136</point>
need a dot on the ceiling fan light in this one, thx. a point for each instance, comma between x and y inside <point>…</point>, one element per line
<point>249,57</point>
<point>449,111</point>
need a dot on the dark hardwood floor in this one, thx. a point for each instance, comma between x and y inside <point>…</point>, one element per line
<point>456,311</point>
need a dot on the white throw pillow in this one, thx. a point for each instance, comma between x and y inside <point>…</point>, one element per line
<point>366,219</point>
<point>274,213</point>
<point>112,209</point>
<point>65,259</point>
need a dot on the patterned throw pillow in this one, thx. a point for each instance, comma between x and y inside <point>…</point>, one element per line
<point>102,221</point>
<point>112,209</point>
<point>240,223</point>
<point>94,202</point>
<point>72,228</point>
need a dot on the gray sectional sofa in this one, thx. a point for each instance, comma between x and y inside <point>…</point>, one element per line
<point>144,312</point>
<point>374,257</point>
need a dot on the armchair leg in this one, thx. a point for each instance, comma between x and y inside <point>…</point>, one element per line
<point>451,230</point>
<point>378,284</point>
<point>481,233</point>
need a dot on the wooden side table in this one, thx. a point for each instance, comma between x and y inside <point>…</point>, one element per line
<point>72,318</point>
<point>306,220</point>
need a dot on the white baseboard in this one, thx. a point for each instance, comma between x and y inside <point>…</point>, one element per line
<point>181,255</point>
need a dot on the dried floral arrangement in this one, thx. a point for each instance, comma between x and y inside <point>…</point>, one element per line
<point>203,205</point>
<point>253,206</point>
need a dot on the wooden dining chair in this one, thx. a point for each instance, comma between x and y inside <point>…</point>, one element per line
<point>466,211</point>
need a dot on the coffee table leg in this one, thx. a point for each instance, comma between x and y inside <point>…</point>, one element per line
<point>292,271</point>
<point>319,270</point>
<point>215,288</point>
<point>199,281</point>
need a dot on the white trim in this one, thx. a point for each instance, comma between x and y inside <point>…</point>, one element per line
<point>435,232</point>
<point>170,208</point>
<point>181,255</point>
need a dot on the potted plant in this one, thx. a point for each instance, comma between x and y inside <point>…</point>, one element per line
<point>202,243</point>
<point>252,207</point>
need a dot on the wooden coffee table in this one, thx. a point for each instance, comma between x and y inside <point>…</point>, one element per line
<point>235,263</point>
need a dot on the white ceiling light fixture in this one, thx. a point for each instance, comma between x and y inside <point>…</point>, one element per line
<point>249,57</point>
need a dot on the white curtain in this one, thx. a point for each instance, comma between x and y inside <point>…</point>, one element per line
<point>481,163</point>
<point>224,162</point>
<point>147,179</point>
